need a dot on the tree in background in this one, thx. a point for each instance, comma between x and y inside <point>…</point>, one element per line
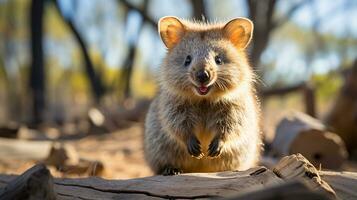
<point>95,80</point>
<point>37,69</point>
<point>127,71</point>
<point>269,18</point>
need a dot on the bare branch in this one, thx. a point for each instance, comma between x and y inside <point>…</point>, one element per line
<point>129,61</point>
<point>282,91</point>
<point>143,13</point>
<point>290,13</point>
<point>95,79</point>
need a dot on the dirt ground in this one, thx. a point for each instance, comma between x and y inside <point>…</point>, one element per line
<point>120,153</point>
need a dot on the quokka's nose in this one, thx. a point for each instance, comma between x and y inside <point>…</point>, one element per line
<point>202,76</point>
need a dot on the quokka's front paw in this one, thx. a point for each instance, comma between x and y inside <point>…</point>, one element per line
<point>194,147</point>
<point>215,148</point>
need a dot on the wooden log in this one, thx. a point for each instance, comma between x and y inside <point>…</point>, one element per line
<point>300,133</point>
<point>24,150</point>
<point>185,186</point>
<point>200,185</point>
<point>343,183</point>
<point>51,153</point>
<point>62,156</point>
<point>35,183</point>
<point>297,167</point>
<point>294,190</point>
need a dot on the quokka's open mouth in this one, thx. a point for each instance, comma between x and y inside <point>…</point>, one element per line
<point>203,90</point>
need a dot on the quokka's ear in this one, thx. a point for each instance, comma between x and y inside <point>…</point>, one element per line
<point>171,31</point>
<point>239,31</point>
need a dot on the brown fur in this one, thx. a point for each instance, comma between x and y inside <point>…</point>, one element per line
<point>224,124</point>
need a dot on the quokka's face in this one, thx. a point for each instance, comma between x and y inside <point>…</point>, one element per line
<point>205,60</point>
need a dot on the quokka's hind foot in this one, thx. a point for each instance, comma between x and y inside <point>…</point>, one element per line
<point>171,171</point>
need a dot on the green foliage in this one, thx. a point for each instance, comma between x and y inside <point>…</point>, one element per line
<point>327,85</point>
<point>54,25</point>
<point>143,84</point>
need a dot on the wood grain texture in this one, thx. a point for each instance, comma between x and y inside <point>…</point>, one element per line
<point>185,186</point>
<point>294,173</point>
<point>343,183</point>
<point>35,183</point>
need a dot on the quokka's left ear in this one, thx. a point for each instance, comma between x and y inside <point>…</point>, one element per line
<point>239,31</point>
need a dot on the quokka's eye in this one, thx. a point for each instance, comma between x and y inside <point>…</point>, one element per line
<point>188,60</point>
<point>218,60</point>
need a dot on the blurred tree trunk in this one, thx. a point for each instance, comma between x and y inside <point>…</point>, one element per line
<point>128,70</point>
<point>199,11</point>
<point>13,106</point>
<point>129,61</point>
<point>95,80</point>
<point>37,71</point>
<point>343,114</point>
<point>262,14</point>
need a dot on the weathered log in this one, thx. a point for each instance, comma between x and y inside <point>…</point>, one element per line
<point>62,156</point>
<point>35,183</point>
<point>294,190</point>
<point>24,150</point>
<point>208,185</point>
<point>186,186</point>
<point>51,153</point>
<point>297,167</point>
<point>343,183</point>
<point>300,133</point>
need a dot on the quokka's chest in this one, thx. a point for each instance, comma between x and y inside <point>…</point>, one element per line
<point>204,134</point>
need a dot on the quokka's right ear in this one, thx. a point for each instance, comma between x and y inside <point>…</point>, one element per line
<point>171,31</point>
